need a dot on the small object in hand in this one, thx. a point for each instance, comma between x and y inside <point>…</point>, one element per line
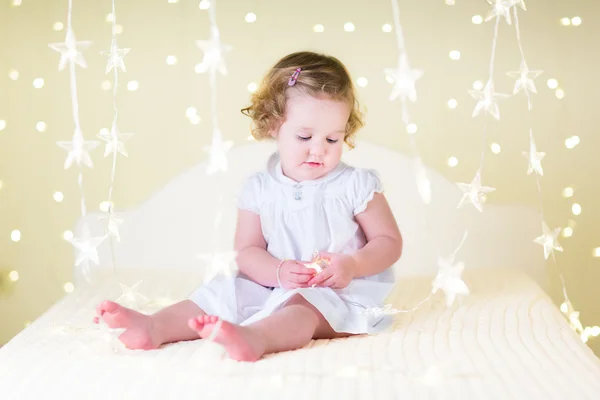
<point>318,264</point>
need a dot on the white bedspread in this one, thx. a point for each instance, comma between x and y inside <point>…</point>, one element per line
<point>505,341</point>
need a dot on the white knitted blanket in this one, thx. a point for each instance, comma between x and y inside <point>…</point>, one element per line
<point>504,341</point>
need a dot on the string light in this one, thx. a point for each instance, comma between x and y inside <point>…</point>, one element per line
<point>58,197</point>
<point>452,103</point>
<point>552,83</point>
<point>567,232</point>
<point>40,126</point>
<point>411,128</point>
<point>455,55</point>
<point>362,81</point>
<point>477,19</point>
<point>171,60</point>
<point>452,162</point>
<point>204,5</point>
<point>571,142</point>
<point>567,192</point>
<point>68,235</point>
<point>597,252</point>
<point>477,85</point>
<point>105,206</point>
<point>495,147</point>
<point>576,21</point>
<point>38,83</point>
<point>132,86</point>
<point>349,27</point>
<point>250,17</point>
<point>387,28</point>
<point>58,26</point>
<point>559,93</point>
<point>2,124</point>
<point>576,209</point>
<point>13,74</point>
<point>318,28</point>
<point>15,235</point>
<point>252,87</point>
<point>13,276</point>
<point>565,21</point>
<point>68,287</point>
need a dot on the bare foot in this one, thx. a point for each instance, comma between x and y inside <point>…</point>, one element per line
<point>139,328</point>
<point>240,342</point>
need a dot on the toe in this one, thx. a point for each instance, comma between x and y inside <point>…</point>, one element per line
<point>195,323</point>
<point>107,306</point>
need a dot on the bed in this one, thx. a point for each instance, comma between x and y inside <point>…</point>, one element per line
<point>506,340</point>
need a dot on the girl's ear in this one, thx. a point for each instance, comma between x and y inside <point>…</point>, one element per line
<point>274,130</point>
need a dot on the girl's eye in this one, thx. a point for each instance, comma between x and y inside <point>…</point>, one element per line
<point>304,139</point>
<point>332,141</point>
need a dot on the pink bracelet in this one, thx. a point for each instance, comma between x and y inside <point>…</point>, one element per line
<point>277,271</point>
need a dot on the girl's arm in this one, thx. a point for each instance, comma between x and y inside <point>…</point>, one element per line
<point>384,241</point>
<point>253,260</point>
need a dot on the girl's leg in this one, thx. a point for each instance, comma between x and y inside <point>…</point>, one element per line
<point>150,331</point>
<point>289,328</point>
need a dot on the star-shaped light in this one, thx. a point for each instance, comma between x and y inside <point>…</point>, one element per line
<point>115,56</point>
<point>486,100</point>
<point>219,263</point>
<point>474,193</point>
<point>115,141</point>
<point>521,3</point>
<point>534,157</point>
<point>130,296</point>
<point>87,247</point>
<point>214,52</point>
<point>218,153</point>
<point>404,79</point>
<point>500,8</point>
<point>525,78</point>
<point>70,50</point>
<point>112,227</point>
<point>549,239</point>
<point>78,149</point>
<point>573,316</point>
<point>449,279</point>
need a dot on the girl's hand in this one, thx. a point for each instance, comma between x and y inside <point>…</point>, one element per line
<point>339,273</point>
<point>294,274</point>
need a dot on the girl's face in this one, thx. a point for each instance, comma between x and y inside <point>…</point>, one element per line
<point>311,138</point>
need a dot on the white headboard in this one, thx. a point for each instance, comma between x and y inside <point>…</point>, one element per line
<point>177,223</point>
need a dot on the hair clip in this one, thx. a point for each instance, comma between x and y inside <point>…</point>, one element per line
<point>294,77</point>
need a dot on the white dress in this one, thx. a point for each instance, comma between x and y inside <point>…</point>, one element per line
<point>298,219</point>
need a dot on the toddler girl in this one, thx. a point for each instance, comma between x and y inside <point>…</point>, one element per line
<point>306,200</point>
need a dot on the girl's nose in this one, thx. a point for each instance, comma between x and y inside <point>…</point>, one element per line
<point>317,149</point>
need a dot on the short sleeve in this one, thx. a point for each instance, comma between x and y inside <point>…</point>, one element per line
<point>250,194</point>
<point>363,185</point>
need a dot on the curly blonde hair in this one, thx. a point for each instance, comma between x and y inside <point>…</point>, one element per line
<point>321,75</point>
